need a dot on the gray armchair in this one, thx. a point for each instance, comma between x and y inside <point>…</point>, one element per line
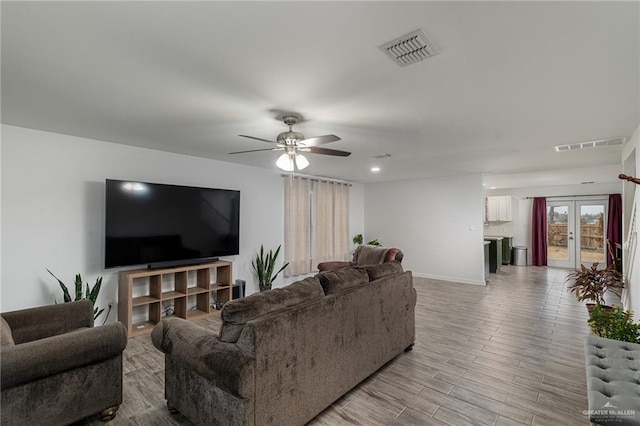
<point>57,368</point>
<point>365,255</point>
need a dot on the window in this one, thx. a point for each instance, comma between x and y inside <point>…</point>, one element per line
<point>316,223</point>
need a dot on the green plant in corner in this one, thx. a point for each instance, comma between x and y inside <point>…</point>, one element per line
<point>358,239</point>
<point>90,293</point>
<point>264,266</point>
<point>614,324</point>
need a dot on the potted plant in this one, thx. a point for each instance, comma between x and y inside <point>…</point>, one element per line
<point>614,324</point>
<point>358,239</point>
<point>90,293</point>
<point>264,266</point>
<point>592,283</point>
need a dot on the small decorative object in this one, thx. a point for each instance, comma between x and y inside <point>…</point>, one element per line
<point>264,265</point>
<point>91,294</point>
<point>614,324</point>
<point>358,239</point>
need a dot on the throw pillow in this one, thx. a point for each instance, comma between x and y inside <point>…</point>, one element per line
<point>333,281</point>
<point>6,338</point>
<point>383,270</point>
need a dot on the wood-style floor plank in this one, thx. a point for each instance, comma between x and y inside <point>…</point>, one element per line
<point>506,354</point>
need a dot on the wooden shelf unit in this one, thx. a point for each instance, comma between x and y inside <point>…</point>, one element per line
<point>188,288</point>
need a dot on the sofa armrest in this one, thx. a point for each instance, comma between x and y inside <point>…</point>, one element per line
<point>332,266</point>
<point>26,362</point>
<point>200,350</point>
<point>46,321</point>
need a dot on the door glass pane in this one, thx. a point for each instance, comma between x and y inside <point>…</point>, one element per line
<point>557,241</point>
<point>592,241</point>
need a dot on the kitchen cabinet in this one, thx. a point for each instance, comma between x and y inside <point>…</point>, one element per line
<point>499,208</point>
<point>507,245</point>
<point>495,253</point>
<point>487,265</point>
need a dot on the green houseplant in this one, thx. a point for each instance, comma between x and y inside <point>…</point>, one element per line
<point>90,293</point>
<point>358,239</point>
<point>264,266</point>
<point>614,324</point>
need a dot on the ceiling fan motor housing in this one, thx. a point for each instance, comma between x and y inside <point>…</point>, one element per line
<point>289,138</point>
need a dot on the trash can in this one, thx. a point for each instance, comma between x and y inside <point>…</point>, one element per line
<point>520,256</point>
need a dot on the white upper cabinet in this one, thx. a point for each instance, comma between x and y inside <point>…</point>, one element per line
<point>499,208</point>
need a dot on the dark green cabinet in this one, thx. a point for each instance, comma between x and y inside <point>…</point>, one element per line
<point>507,245</point>
<point>495,253</point>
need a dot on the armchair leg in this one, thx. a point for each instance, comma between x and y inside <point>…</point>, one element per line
<point>172,409</point>
<point>108,414</point>
<point>409,348</point>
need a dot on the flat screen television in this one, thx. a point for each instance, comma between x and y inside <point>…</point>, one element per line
<point>168,225</point>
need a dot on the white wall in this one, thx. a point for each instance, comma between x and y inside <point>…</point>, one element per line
<point>53,209</point>
<point>436,222</point>
<point>632,270</point>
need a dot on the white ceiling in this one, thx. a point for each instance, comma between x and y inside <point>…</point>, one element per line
<point>512,80</point>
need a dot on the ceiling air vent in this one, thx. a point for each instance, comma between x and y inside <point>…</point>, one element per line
<point>409,49</point>
<point>590,144</point>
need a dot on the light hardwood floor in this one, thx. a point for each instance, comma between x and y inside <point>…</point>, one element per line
<point>510,353</point>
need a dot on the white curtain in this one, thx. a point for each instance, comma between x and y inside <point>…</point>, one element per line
<point>322,235</point>
<point>341,222</point>
<point>316,223</point>
<point>297,216</point>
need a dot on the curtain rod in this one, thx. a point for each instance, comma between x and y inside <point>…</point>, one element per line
<point>573,196</point>
<point>316,178</point>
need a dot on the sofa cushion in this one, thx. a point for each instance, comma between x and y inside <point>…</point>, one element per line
<point>236,313</point>
<point>6,338</point>
<point>383,270</point>
<point>333,281</point>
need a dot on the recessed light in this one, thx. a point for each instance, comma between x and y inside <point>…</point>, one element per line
<point>375,169</point>
<point>493,187</point>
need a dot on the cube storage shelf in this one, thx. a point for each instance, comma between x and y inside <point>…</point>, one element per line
<point>146,292</point>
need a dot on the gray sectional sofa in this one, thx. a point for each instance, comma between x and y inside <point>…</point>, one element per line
<point>282,356</point>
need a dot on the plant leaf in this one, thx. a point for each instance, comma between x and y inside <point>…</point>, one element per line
<point>93,295</point>
<point>78,287</point>
<point>65,290</point>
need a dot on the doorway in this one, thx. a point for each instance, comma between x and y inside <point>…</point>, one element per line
<point>576,233</point>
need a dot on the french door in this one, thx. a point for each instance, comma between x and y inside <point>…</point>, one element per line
<point>576,233</point>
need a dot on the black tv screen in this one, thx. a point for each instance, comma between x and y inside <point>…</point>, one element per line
<point>166,225</point>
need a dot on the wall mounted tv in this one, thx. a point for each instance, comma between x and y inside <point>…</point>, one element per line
<point>168,225</point>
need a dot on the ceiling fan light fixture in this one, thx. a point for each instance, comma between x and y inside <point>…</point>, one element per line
<point>301,161</point>
<point>285,162</point>
<point>292,161</point>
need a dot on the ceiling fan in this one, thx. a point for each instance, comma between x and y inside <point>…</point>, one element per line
<point>294,144</point>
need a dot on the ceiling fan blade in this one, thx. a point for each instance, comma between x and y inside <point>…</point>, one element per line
<point>319,140</point>
<point>258,139</point>
<point>256,150</point>
<point>326,151</point>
